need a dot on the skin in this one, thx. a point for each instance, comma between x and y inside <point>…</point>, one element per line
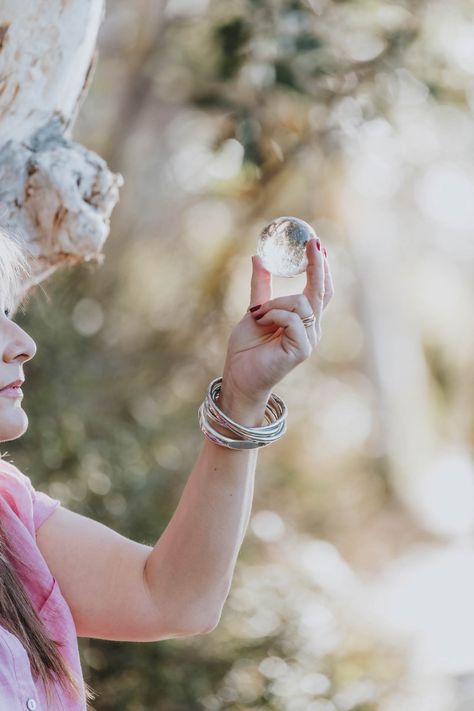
<point>16,347</point>
<point>119,589</point>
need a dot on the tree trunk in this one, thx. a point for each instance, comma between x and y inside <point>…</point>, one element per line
<point>55,194</point>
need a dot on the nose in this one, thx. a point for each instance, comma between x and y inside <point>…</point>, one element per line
<point>20,345</point>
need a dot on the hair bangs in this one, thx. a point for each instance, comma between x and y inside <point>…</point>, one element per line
<point>14,267</point>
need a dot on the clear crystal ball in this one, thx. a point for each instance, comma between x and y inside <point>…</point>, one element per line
<point>282,246</point>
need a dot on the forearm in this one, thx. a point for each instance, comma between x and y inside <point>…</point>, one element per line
<point>191,566</point>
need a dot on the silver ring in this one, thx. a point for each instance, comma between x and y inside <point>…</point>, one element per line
<point>309,320</point>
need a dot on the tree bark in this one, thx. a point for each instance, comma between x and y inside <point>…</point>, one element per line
<point>54,193</point>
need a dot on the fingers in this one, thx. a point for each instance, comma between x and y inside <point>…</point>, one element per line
<point>317,293</point>
<point>315,275</point>
<point>292,302</point>
<point>261,282</point>
<point>295,303</point>
<point>295,337</point>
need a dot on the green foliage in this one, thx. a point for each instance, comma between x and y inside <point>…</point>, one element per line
<point>232,38</point>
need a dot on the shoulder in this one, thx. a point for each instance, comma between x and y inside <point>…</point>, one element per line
<point>9,470</point>
<point>15,487</point>
<point>28,503</point>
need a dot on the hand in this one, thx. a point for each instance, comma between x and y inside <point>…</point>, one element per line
<point>261,352</point>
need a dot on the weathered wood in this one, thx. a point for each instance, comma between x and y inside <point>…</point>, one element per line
<point>54,193</point>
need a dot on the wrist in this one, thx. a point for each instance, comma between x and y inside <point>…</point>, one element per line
<point>250,413</point>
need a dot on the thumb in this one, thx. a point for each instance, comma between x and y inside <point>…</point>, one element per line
<point>261,282</point>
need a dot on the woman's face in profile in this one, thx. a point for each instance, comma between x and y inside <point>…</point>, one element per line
<point>16,347</point>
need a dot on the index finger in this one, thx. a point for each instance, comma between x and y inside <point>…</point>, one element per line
<point>314,289</point>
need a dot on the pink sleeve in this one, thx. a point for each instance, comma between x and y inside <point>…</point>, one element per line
<point>31,505</point>
<point>43,507</point>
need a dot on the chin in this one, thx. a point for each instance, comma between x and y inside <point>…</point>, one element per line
<point>13,425</point>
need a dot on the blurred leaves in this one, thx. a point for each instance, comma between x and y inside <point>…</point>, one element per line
<point>232,39</point>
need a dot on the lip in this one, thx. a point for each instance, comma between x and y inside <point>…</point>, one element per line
<point>14,384</point>
<point>11,392</point>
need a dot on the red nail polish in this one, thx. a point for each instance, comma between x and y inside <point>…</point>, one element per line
<point>255,308</point>
<point>318,244</point>
<point>325,253</point>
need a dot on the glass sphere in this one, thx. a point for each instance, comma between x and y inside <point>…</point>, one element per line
<point>282,246</point>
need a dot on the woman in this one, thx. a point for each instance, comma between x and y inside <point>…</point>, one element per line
<point>63,575</point>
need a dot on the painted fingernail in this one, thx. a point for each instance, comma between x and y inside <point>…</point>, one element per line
<point>325,253</point>
<point>318,244</point>
<point>255,308</point>
<point>257,317</point>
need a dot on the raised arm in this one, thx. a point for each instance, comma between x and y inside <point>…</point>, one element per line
<point>121,590</point>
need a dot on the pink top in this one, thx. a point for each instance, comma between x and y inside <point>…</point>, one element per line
<point>23,509</point>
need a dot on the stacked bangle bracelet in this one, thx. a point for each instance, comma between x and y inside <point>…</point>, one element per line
<point>276,414</point>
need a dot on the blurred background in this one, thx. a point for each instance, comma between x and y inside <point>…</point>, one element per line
<point>354,585</point>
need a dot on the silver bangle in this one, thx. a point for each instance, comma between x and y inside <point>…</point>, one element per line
<point>276,414</point>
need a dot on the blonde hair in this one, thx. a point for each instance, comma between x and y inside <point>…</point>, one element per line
<point>17,613</point>
<point>14,268</point>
